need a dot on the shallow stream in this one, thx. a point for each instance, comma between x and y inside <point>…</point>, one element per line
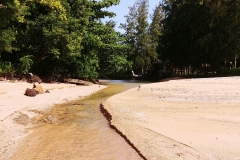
<point>79,131</point>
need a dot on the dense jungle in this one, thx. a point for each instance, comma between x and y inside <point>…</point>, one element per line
<point>69,38</point>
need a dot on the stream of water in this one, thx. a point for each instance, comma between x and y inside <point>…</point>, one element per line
<point>100,141</point>
<point>79,131</point>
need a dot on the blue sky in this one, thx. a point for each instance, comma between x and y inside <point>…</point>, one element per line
<point>122,9</point>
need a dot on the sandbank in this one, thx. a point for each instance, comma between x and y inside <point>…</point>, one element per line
<point>181,119</point>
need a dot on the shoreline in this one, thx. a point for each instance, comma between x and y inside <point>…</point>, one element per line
<point>16,106</point>
<point>108,117</point>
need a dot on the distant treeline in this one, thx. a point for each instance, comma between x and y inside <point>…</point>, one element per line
<point>67,38</point>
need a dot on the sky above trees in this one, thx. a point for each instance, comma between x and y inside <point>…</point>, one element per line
<point>122,9</point>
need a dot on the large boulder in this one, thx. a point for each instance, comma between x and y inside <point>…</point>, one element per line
<point>30,92</point>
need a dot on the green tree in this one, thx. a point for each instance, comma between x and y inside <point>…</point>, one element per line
<point>156,29</point>
<point>144,55</point>
<point>112,52</point>
<point>200,32</point>
<point>130,33</point>
<point>24,64</point>
<point>177,36</point>
<point>137,32</point>
<point>100,42</point>
<point>18,18</point>
<point>63,38</point>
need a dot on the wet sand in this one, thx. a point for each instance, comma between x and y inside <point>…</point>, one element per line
<point>63,124</point>
<point>17,111</point>
<point>181,119</point>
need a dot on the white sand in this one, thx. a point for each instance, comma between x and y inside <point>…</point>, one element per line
<point>14,103</point>
<point>181,119</point>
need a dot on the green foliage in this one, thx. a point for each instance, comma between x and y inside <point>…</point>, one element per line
<point>197,32</point>
<point>156,29</point>
<point>7,40</point>
<point>130,33</point>
<point>141,49</point>
<point>230,72</point>
<point>58,38</point>
<point>66,38</point>
<point>25,63</point>
<point>112,52</point>
<point>6,69</point>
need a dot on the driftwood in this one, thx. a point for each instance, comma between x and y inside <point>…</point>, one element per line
<point>79,82</point>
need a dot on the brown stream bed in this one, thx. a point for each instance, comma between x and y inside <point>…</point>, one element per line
<point>78,131</point>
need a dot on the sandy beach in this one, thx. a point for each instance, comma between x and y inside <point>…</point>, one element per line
<point>181,119</point>
<point>176,119</point>
<point>15,106</point>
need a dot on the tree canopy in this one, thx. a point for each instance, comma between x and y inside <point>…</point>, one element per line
<point>200,32</point>
<point>67,38</point>
<point>188,33</point>
<point>141,52</point>
<point>60,38</point>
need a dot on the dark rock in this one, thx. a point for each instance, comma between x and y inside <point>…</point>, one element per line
<point>30,92</point>
<point>34,78</point>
